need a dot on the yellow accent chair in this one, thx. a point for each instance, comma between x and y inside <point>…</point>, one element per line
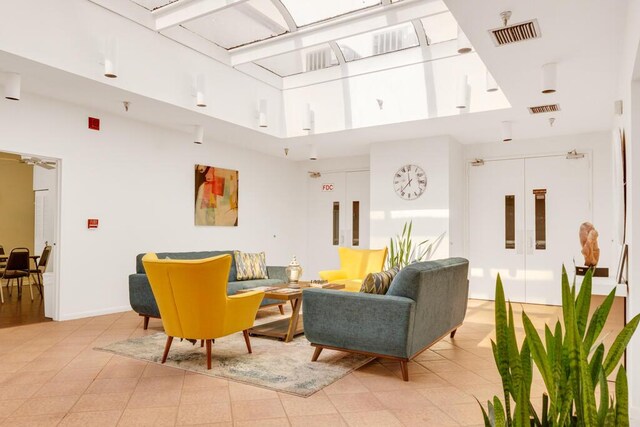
<point>193,302</point>
<point>355,264</point>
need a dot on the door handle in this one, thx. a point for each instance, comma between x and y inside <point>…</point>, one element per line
<point>519,244</point>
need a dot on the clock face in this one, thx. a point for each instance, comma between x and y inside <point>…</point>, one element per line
<point>410,182</point>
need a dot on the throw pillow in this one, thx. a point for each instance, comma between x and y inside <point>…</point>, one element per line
<point>378,283</point>
<point>250,266</point>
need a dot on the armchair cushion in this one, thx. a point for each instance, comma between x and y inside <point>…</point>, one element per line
<point>189,255</point>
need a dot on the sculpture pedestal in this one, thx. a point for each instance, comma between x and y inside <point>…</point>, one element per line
<point>597,272</point>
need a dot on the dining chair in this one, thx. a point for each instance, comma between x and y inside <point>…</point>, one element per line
<point>3,262</point>
<point>40,269</point>
<point>17,269</point>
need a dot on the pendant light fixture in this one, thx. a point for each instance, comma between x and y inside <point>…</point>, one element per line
<point>111,58</point>
<point>549,78</point>
<point>200,91</point>
<point>462,92</point>
<point>492,86</point>
<point>12,86</point>
<point>313,153</point>
<point>306,117</point>
<point>262,114</point>
<point>464,45</point>
<point>199,134</point>
<point>506,132</point>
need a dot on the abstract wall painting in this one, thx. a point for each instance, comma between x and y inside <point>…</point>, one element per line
<point>216,196</point>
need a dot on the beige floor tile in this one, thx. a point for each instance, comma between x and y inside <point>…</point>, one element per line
<point>70,388</point>
<point>421,417</point>
<point>438,366</point>
<point>333,420</point>
<point>102,402</point>
<point>203,381</point>
<point>192,396</point>
<point>465,414</point>
<point>46,420</point>
<point>257,409</point>
<point>112,385</point>
<point>355,402</point>
<point>204,413</point>
<point>398,399</point>
<point>122,370</point>
<point>29,377</point>
<point>372,419</point>
<point>93,419</point>
<point>46,406</point>
<point>154,399</point>
<point>155,370</point>
<point>272,422</point>
<point>138,417</point>
<point>318,404</point>
<point>348,384</point>
<point>8,407</point>
<point>246,392</point>
<point>463,376</point>
<point>18,391</point>
<point>446,395</point>
<point>171,382</point>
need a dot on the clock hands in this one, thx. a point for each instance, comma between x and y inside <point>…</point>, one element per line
<point>408,183</point>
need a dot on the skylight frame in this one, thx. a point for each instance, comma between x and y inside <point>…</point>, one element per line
<point>341,43</point>
<point>303,23</point>
<point>334,61</point>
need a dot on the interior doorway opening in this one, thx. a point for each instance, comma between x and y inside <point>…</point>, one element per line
<point>28,238</point>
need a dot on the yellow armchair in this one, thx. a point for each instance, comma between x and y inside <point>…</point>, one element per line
<point>355,264</point>
<point>193,302</point>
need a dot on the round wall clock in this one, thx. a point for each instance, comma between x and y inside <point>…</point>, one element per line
<point>410,182</point>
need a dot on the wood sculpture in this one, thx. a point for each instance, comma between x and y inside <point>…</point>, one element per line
<point>589,243</point>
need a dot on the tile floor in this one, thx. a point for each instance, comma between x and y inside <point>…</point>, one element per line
<point>50,375</point>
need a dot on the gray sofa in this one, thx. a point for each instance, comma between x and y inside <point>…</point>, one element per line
<point>425,302</point>
<point>143,302</point>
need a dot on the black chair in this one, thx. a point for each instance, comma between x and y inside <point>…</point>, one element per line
<point>3,262</point>
<point>41,268</point>
<point>17,269</point>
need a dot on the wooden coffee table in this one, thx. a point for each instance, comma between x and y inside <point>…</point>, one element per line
<point>287,328</point>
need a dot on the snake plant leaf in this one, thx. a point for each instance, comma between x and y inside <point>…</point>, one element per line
<point>583,303</point>
<point>617,348</point>
<point>604,399</point>
<point>622,399</point>
<point>485,416</point>
<point>514,355</point>
<point>610,420</point>
<point>545,410</point>
<point>588,401</point>
<point>595,365</point>
<point>498,410</point>
<point>501,346</point>
<point>598,320</point>
<point>573,347</point>
<point>539,354</point>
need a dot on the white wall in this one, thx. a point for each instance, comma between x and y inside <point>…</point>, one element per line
<point>598,145</point>
<point>138,180</point>
<point>431,212</point>
<point>70,35</point>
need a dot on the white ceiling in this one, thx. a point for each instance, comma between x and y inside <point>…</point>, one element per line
<point>583,37</point>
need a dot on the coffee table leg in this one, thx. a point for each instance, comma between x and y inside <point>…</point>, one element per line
<point>293,323</point>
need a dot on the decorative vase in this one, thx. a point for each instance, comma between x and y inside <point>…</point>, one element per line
<point>293,271</point>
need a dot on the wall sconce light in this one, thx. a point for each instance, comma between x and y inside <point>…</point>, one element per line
<point>462,92</point>
<point>12,86</point>
<point>464,45</point>
<point>262,114</point>
<point>549,78</point>
<point>506,132</point>
<point>313,153</point>
<point>200,91</point>
<point>199,134</point>
<point>111,58</point>
<point>307,117</point>
<point>492,85</point>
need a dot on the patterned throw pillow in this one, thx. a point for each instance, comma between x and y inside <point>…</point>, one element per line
<point>378,283</point>
<point>250,266</point>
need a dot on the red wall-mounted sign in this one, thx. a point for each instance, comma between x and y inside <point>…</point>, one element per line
<point>327,187</point>
<point>94,123</point>
<point>92,223</point>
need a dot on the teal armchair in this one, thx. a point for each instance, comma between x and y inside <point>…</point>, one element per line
<point>425,302</point>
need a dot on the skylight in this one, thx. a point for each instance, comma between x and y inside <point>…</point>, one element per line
<point>440,28</point>
<point>244,23</point>
<point>154,4</point>
<point>300,61</point>
<point>305,12</point>
<point>390,39</point>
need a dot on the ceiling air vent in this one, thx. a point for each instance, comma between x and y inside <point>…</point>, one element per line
<point>515,33</point>
<point>544,109</point>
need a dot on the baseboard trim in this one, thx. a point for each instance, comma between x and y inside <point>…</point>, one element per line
<point>92,313</point>
<point>634,414</point>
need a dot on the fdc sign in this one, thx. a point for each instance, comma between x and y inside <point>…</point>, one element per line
<point>327,187</point>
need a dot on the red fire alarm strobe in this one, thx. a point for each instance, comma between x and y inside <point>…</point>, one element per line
<point>92,223</point>
<point>94,123</point>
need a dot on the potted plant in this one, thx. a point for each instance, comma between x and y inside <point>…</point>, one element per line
<point>572,361</point>
<point>403,251</point>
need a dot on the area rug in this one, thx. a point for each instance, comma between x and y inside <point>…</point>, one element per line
<point>284,367</point>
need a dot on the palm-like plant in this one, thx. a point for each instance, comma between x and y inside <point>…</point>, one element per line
<point>570,359</point>
<point>403,252</point>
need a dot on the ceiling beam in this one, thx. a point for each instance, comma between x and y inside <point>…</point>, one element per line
<point>181,13</point>
<point>129,10</point>
<point>337,29</point>
<point>293,27</point>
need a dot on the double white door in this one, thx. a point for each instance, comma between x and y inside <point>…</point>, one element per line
<point>524,217</point>
<point>338,216</point>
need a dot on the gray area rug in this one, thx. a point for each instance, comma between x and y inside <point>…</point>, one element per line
<point>284,367</point>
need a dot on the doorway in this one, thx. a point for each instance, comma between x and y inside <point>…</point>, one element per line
<point>524,217</point>
<point>338,216</point>
<point>29,221</point>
